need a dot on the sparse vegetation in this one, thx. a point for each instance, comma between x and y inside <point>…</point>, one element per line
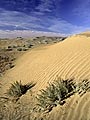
<point>17,89</point>
<point>6,62</point>
<point>22,49</point>
<point>9,47</point>
<point>19,49</point>
<point>18,46</point>
<point>29,46</point>
<point>58,91</point>
<point>14,46</point>
<point>25,49</point>
<point>55,93</point>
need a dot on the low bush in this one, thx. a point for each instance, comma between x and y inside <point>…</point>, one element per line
<point>19,49</point>
<point>14,46</point>
<point>25,49</point>
<point>9,46</point>
<point>9,49</point>
<point>55,93</point>
<point>29,46</point>
<point>17,89</point>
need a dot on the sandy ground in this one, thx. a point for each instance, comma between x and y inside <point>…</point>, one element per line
<point>67,59</point>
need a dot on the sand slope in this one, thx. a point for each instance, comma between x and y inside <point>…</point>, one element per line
<point>67,59</point>
<point>76,108</point>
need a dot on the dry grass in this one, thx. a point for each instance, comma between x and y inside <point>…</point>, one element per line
<point>17,89</point>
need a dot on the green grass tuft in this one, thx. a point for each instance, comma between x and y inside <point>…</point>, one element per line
<point>58,91</point>
<point>55,93</point>
<point>17,89</point>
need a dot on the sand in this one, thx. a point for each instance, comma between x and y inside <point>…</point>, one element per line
<point>67,59</point>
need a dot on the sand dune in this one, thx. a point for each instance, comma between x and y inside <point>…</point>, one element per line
<point>67,59</point>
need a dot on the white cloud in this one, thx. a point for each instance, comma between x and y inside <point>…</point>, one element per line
<point>45,5</point>
<point>38,22</point>
<point>63,26</point>
<point>26,33</point>
<point>18,19</point>
<point>15,16</point>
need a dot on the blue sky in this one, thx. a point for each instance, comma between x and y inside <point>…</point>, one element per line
<point>59,16</point>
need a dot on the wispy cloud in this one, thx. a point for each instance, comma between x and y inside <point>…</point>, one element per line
<point>63,26</point>
<point>26,33</point>
<point>36,21</point>
<point>45,6</point>
<point>17,19</point>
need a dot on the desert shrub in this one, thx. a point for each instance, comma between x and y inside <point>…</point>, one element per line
<point>17,89</point>
<point>55,93</point>
<point>9,49</point>
<point>14,46</point>
<point>19,49</point>
<point>24,45</point>
<point>9,46</point>
<point>11,65</point>
<point>29,46</point>
<point>25,49</point>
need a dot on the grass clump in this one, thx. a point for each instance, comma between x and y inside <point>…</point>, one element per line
<point>56,93</point>
<point>17,89</point>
